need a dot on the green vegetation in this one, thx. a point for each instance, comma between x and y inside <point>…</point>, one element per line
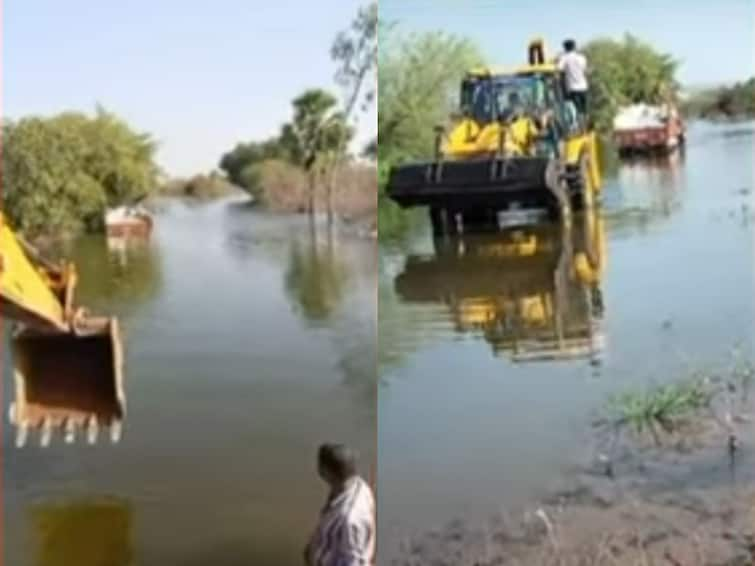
<point>626,72</point>
<point>728,102</point>
<point>665,406</point>
<point>419,78</point>
<point>237,163</point>
<point>670,408</point>
<point>199,186</point>
<point>60,173</point>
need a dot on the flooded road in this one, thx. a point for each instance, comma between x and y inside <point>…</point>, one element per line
<point>247,345</point>
<point>496,352</point>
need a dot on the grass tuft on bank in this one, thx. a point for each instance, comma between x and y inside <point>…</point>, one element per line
<point>665,406</point>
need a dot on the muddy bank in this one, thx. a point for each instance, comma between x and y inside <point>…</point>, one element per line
<point>689,501</point>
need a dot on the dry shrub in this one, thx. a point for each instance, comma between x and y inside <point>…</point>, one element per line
<point>356,191</point>
<point>283,186</point>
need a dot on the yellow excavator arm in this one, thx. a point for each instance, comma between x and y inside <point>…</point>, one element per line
<point>67,366</point>
<point>29,293</point>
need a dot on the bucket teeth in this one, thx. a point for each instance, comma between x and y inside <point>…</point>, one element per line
<point>22,433</point>
<point>92,430</point>
<point>87,430</point>
<point>116,431</point>
<point>70,432</point>
<point>46,434</point>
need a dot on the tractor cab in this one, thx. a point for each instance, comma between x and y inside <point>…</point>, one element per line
<point>488,98</point>
<point>530,103</point>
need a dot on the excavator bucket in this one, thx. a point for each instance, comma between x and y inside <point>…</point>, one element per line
<point>68,368</point>
<point>70,381</point>
<point>496,183</point>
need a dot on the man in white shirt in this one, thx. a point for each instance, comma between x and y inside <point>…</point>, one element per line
<point>345,533</point>
<point>574,67</point>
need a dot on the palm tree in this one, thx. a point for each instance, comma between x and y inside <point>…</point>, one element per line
<point>313,136</point>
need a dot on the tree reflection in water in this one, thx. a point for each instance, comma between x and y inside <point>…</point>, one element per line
<point>316,279</point>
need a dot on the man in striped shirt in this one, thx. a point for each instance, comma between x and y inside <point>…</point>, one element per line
<point>345,533</point>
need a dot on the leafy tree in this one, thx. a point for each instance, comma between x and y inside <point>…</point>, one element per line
<point>626,72</point>
<point>60,173</point>
<point>355,50</point>
<point>240,158</point>
<point>314,134</point>
<point>419,79</point>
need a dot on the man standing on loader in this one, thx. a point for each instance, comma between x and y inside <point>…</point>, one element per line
<point>573,65</point>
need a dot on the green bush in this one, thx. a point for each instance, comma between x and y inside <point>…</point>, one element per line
<point>60,173</point>
<point>736,101</point>
<point>627,72</point>
<point>199,186</point>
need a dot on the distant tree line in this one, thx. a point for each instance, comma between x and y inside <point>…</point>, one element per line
<point>200,186</point>
<point>301,164</point>
<point>735,101</point>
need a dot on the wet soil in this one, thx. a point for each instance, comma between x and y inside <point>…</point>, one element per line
<point>687,502</point>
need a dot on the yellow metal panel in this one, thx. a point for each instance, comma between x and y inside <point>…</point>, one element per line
<point>574,148</point>
<point>467,138</point>
<point>23,288</point>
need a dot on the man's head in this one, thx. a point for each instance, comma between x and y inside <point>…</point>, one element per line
<point>336,463</point>
<point>570,45</point>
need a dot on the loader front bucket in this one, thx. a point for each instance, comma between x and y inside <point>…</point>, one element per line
<point>69,381</point>
<point>495,183</point>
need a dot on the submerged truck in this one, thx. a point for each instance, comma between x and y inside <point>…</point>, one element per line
<point>648,129</point>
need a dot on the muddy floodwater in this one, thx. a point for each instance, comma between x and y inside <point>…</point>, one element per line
<point>248,343</point>
<point>496,352</point>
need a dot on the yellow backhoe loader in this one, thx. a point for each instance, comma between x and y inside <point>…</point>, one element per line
<point>516,143</point>
<point>67,365</point>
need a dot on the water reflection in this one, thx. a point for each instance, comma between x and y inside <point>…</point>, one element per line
<point>645,191</point>
<point>116,272</point>
<point>316,278</point>
<point>82,533</point>
<point>533,292</point>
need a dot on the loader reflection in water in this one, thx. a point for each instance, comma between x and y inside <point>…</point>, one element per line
<point>533,292</point>
<point>88,533</point>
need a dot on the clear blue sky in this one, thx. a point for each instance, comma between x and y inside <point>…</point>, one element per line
<point>198,74</point>
<point>713,39</point>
